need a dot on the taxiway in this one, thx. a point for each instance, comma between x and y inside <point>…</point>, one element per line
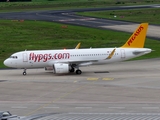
<point>125,87</point>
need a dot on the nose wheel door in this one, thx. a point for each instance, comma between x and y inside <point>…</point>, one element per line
<point>24,72</point>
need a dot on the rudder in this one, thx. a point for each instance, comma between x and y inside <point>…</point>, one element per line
<point>137,39</point>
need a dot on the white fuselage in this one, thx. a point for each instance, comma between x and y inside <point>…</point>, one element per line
<point>46,58</point>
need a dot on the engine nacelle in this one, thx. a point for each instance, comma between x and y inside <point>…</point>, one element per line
<point>61,68</point>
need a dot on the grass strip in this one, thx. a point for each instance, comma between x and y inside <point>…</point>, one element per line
<point>150,15</point>
<point>68,4</point>
<point>38,35</point>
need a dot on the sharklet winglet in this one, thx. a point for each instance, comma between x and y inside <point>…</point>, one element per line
<point>78,46</point>
<point>111,55</point>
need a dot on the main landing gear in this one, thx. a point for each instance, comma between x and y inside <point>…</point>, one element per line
<point>72,70</point>
<point>78,71</point>
<point>24,72</point>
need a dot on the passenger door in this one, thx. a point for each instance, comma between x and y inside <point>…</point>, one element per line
<point>123,56</point>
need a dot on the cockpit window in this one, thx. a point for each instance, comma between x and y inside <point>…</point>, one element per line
<point>14,57</point>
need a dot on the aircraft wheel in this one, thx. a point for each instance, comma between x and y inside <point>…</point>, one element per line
<point>24,73</point>
<point>78,72</point>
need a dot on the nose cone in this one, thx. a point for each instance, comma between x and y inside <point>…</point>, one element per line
<point>6,63</point>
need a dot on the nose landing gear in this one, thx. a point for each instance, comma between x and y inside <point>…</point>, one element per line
<point>24,72</point>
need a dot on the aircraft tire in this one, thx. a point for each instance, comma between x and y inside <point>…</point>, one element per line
<point>24,73</point>
<point>78,72</point>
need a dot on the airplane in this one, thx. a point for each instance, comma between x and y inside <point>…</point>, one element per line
<point>69,60</point>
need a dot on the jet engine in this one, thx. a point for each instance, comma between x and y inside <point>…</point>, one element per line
<point>60,68</point>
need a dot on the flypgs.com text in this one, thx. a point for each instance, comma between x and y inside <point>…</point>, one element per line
<point>45,57</point>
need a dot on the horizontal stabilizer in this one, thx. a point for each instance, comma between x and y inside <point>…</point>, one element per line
<point>136,52</point>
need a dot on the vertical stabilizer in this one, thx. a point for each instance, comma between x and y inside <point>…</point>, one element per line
<point>137,39</point>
